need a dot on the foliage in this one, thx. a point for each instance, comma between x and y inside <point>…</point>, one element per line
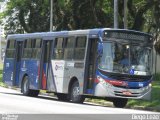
<point>27,15</point>
<point>1,74</point>
<point>34,15</point>
<point>157,46</point>
<point>157,77</point>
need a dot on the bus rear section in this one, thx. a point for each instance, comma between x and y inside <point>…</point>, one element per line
<point>12,62</point>
<point>37,71</point>
<point>27,63</point>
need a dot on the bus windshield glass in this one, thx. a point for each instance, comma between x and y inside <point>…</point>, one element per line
<point>126,58</point>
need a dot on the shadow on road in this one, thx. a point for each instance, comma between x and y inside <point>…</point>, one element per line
<point>12,93</point>
<point>45,97</point>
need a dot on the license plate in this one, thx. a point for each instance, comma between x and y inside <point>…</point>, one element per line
<point>127,93</point>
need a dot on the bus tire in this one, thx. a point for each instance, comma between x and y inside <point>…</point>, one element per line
<point>75,93</point>
<point>62,96</point>
<point>25,88</point>
<point>34,93</point>
<point>120,102</point>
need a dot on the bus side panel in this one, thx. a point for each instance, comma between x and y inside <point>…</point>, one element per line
<point>58,70</point>
<point>73,69</point>
<point>8,71</point>
<point>44,76</point>
<point>18,64</point>
<point>50,79</point>
<point>33,71</point>
<point>64,71</point>
<point>30,68</point>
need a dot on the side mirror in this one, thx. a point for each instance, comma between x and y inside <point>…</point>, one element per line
<point>100,49</point>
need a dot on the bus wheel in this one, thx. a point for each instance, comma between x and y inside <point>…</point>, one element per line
<point>120,102</point>
<point>62,97</point>
<point>74,93</point>
<point>34,93</point>
<point>25,88</point>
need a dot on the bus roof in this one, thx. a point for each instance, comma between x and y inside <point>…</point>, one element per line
<point>91,32</point>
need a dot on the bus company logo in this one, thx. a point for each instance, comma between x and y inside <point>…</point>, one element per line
<point>58,67</point>
<point>132,72</point>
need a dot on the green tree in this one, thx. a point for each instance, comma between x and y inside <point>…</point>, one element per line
<point>27,15</point>
<point>92,13</point>
<point>34,15</point>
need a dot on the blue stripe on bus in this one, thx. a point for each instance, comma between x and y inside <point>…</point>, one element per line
<point>131,84</point>
<point>30,68</point>
<point>8,69</point>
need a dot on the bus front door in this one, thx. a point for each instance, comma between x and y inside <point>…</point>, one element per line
<point>90,66</point>
<point>46,74</point>
<point>17,63</point>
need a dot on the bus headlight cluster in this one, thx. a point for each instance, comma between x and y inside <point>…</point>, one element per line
<point>145,88</point>
<point>101,80</point>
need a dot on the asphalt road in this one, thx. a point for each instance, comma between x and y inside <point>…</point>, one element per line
<point>13,102</point>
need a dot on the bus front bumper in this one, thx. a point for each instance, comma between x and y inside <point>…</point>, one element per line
<point>108,90</point>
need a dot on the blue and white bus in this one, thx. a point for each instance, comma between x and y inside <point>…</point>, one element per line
<point>114,64</point>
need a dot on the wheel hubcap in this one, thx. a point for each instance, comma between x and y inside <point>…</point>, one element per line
<point>75,92</point>
<point>25,86</point>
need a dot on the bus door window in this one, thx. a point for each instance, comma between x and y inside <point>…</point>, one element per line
<point>47,51</point>
<point>45,59</point>
<point>17,63</point>
<point>19,51</point>
<point>92,50</point>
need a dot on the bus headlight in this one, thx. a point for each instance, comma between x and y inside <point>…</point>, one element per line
<point>101,80</point>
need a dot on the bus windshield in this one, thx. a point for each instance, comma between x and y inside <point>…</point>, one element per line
<point>125,58</point>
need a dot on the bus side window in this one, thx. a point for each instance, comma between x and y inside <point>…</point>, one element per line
<point>10,52</point>
<point>68,48</point>
<point>80,46</point>
<point>36,48</point>
<point>58,48</point>
<point>27,52</point>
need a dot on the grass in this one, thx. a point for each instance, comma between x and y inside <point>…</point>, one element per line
<point>1,75</point>
<point>155,96</point>
<point>153,103</point>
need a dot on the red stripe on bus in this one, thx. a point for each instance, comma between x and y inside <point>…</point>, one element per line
<point>113,82</point>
